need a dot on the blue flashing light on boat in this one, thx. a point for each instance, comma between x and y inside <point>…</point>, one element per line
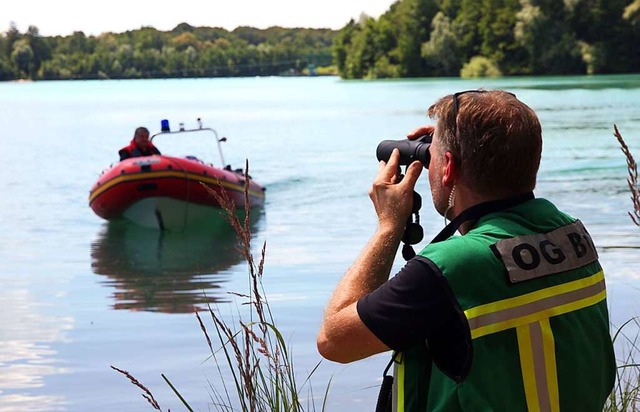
<point>164,125</point>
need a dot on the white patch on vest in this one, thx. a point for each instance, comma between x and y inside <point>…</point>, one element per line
<point>145,162</point>
<point>533,256</point>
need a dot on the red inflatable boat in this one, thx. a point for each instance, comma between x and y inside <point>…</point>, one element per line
<point>170,192</point>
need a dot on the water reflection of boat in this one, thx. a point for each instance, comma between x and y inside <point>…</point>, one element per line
<point>174,272</point>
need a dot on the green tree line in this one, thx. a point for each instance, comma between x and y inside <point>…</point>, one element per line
<point>414,38</point>
<point>424,38</point>
<point>185,51</point>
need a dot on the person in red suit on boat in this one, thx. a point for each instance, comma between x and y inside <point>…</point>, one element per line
<point>139,146</point>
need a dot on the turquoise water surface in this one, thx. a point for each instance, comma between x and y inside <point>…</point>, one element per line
<point>79,295</point>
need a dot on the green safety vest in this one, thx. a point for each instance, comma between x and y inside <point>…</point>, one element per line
<point>533,293</point>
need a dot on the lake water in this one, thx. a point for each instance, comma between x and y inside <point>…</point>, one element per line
<point>79,295</point>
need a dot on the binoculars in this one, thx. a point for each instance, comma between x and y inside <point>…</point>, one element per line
<point>410,150</point>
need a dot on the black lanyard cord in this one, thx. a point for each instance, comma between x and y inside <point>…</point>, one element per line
<point>477,211</point>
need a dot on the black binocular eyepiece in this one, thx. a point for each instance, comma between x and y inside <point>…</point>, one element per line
<point>410,150</point>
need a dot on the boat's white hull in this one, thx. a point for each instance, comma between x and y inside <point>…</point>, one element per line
<point>171,214</point>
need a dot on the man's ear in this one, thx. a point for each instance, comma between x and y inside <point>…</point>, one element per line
<point>450,170</point>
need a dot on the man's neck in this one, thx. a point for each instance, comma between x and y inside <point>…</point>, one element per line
<point>466,199</point>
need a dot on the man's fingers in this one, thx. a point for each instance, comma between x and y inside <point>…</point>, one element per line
<point>413,172</point>
<point>386,171</point>
<point>420,131</point>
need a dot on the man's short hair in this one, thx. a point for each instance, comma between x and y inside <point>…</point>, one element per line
<point>495,138</point>
<point>140,130</point>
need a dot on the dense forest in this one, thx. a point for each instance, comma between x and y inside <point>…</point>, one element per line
<point>424,38</point>
<point>414,38</point>
<point>185,51</point>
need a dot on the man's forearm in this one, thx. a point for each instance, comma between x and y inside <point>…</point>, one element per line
<point>370,270</point>
<point>343,337</point>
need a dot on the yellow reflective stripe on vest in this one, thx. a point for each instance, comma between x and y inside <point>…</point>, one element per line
<point>538,363</point>
<point>535,306</point>
<point>529,314</point>
<point>398,387</point>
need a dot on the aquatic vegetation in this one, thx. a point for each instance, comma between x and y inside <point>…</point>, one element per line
<point>254,350</point>
<point>626,392</point>
<point>632,180</point>
<point>146,393</point>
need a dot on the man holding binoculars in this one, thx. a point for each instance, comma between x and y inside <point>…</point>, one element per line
<point>509,315</point>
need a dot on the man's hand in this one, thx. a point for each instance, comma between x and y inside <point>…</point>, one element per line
<point>420,131</point>
<point>393,200</point>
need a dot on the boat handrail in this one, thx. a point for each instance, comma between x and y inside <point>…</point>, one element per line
<point>198,129</point>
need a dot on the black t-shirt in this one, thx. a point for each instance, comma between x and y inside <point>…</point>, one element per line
<point>417,307</point>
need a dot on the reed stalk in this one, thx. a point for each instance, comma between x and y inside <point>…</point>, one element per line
<point>626,392</point>
<point>632,180</point>
<point>146,393</point>
<point>261,364</point>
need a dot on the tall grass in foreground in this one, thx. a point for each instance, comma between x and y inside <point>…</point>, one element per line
<point>632,180</point>
<point>254,351</point>
<point>626,392</point>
